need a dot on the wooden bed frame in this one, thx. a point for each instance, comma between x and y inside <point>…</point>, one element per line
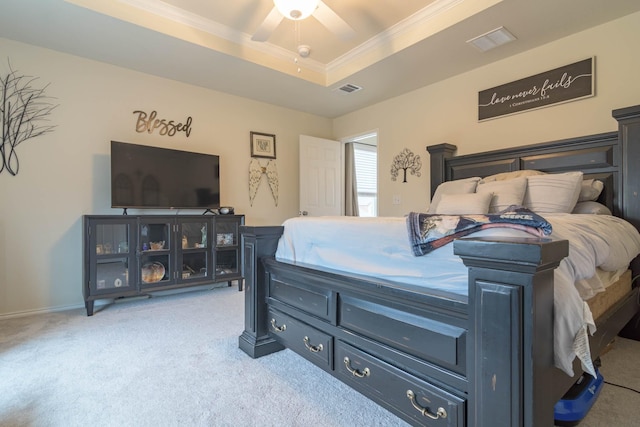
<point>437,359</point>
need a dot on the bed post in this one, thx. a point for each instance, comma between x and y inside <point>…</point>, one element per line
<point>629,136</point>
<point>438,154</point>
<point>257,243</point>
<point>510,364</point>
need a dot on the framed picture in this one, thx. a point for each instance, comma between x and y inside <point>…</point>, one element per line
<point>263,145</point>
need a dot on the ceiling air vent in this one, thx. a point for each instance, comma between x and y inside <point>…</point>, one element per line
<point>492,39</point>
<point>348,88</point>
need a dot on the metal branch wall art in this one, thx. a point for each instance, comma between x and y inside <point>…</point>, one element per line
<point>405,161</point>
<point>24,111</point>
<point>256,171</point>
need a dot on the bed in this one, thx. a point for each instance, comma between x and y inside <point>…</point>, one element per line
<point>435,357</point>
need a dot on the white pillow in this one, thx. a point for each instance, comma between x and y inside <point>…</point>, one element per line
<point>590,190</point>
<point>592,208</point>
<point>505,193</point>
<point>459,186</point>
<point>553,193</point>
<point>503,176</point>
<point>460,204</point>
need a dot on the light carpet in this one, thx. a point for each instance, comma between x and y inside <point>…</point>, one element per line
<point>173,360</point>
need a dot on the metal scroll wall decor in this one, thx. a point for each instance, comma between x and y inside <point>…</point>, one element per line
<point>24,112</point>
<point>256,172</point>
<point>150,122</point>
<point>405,161</point>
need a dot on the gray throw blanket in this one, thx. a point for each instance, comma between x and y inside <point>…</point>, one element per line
<point>431,231</point>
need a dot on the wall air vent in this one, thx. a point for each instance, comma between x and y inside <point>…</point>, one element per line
<point>493,38</point>
<point>348,88</point>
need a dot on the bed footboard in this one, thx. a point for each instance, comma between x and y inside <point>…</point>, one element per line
<point>487,361</point>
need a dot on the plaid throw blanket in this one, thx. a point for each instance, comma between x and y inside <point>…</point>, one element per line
<point>431,231</point>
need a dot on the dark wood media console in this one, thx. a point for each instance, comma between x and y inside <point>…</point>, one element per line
<point>132,255</point>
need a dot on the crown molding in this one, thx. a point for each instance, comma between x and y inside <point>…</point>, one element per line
<point>181,16</point>
<point>392,33</point>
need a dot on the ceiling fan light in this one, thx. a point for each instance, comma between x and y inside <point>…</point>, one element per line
<point>296,9</point>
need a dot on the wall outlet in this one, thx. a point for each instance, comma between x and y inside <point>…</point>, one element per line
<point>396,199</point>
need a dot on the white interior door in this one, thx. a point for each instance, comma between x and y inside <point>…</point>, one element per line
<point>321,176</point>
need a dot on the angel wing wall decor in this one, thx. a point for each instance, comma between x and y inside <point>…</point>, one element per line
<point>256,171</point>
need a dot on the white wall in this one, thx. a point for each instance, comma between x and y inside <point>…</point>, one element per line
<point>447,111</point>
<point>65,174</point>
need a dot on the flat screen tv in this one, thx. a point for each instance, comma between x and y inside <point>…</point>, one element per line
<point>161,178</point>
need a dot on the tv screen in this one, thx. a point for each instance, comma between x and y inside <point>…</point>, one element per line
<point>152,177</point>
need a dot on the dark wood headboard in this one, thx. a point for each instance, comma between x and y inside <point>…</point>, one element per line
<point>611,157</point>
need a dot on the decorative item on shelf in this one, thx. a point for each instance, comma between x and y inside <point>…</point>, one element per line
<point>226,210</point>
<point>187,271</point>
<point>156,246</point>
<point>224,239</point>
<point>185,242</point>
<point>152,272</point>
<point>406,160</point>
<point>256,170</point>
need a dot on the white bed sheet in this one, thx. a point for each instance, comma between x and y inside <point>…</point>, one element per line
<point>379,247</point>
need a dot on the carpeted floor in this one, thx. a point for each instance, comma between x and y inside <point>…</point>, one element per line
<point>174,361</point>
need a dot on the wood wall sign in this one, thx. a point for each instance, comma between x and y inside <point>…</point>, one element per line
<point>569,83</point>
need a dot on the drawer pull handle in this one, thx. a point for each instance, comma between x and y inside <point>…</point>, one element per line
<point>312,348</point>
<point>442,413</point>
<point>278,328</point>
<point>365,372</point>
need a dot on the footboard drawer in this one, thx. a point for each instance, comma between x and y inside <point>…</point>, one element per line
<point>428,338</point>
<point>315,300</point>
<point>417,401</point>
<point>305,340</point>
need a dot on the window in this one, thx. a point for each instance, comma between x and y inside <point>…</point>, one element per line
<point>366,159</point>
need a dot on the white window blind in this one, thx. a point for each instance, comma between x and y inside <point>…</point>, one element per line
<point>366,160</point>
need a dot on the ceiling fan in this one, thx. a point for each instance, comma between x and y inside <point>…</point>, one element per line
<point>297,10</point>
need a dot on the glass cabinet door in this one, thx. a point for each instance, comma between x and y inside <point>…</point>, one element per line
<point>111,250</point>
<point>226,233</point>
<point>227,254</point>
<point>194,254</point>
<point>154,245</point>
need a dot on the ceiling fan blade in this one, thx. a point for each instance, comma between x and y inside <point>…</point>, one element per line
<point>333,22</point>
<point>269,24</point>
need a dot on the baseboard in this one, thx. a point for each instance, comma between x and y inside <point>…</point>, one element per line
<point>103,302</point>
<point>42,311</point>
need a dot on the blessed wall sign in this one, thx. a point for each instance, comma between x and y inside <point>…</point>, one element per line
<point>569,83</point>
<point>150,122</point>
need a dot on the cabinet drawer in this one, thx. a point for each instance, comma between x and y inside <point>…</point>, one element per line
<point>305,340</point>
<point>406,394</point>
<point>427,338</point>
